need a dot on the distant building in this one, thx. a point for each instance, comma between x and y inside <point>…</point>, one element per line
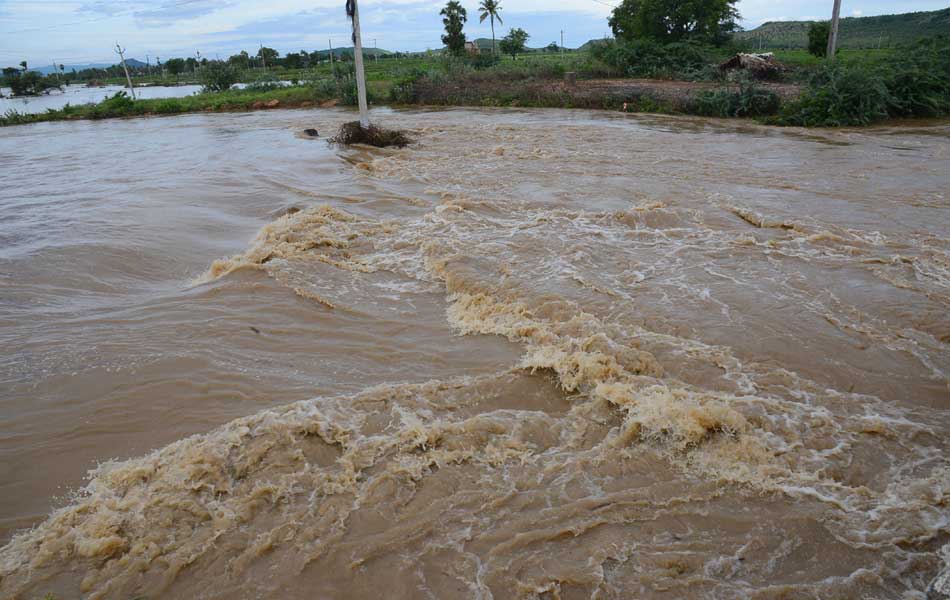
<point>472,48</point>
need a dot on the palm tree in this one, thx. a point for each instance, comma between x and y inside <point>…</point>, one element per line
<point>489,10</point>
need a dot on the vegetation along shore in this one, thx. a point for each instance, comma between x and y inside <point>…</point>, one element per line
<point>639,70</point>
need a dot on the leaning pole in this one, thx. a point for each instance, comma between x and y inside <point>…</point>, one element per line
<point>354,13</point>
<point>833,33</point>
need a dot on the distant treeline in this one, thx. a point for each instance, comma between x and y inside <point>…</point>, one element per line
<point>885,31</point>
<point>175,67</point>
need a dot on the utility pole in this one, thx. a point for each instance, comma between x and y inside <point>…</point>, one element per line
<point>121,52</point>
<point>833,35</point>
<point>375,51</point>
<point>354,14</point>
<point>263,60</point>
<point>330,43</point>
<point>562,41</point>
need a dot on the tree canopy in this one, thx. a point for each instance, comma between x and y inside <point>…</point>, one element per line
<point>674,20</point>
<point>454,17</point>
<point>818,33</point>
<point>268,55</point>
<point>175,66</point>
<point>514,42</point>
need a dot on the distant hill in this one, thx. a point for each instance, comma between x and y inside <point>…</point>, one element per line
<point>856,32</point>
<point>591,43</point>
<point>338,52</point>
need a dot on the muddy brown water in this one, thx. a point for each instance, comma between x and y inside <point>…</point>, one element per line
<point>538,354</point>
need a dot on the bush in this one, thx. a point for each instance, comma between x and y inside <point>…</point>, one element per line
<point>839,96</point>
<point>168,106</point>
<point>920,82</point>
<point>648,59</point>
<point>403,89</point>
<point>341,87</point>
<point>13,117</point>
<point>749,101</point>
<point>818,33</point>
<point>32,83</point>
<point>217,76</point>
<point>483,60</point>
<point>118,105</point>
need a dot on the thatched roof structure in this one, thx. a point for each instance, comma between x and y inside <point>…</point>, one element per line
<point>761,66</point>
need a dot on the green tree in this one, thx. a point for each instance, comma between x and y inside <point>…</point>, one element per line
<point>241,60</point>
<point>175,66</point>
<point>674,20</point>
<point>23,64</point>
<point>31,83</point>
<point>218,76</point>
<point>454,17</point>
<point>818,33</point>
<point>293,60</point>
<point>489,10</point>
<point>9,73</point>
<point>268,55</point>
<point>514,42</point>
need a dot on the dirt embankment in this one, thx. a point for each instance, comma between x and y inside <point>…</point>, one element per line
<point>588,93</point>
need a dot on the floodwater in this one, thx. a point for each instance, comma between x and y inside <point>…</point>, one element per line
<point>537,354</point>
<point>80,94</point>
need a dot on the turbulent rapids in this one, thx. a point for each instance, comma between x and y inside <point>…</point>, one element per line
<point>687,379</point>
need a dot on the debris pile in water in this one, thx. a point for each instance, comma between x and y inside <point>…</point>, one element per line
<point>373,135</point>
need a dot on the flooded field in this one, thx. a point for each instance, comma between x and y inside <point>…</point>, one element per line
<point>537,354</point>
<point>81,94</point>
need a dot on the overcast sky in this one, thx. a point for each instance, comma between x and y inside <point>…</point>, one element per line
<point>82,31</point>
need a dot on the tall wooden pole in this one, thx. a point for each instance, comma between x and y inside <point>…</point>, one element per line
<point>833,35</point>
<point>121,52</point>
<point>360,74</point>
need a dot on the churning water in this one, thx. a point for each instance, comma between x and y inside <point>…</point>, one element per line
<point>538,354</point>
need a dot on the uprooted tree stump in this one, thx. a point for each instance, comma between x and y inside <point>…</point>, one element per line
<point>354,133</point>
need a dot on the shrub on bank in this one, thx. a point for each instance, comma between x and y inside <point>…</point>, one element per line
<point>920,83</point>
<point>652,60</point>
<point>118,105</point>
<point>749,100</point>
<point>217,76</point>
<point>915,84</point>
<point>168,106</point>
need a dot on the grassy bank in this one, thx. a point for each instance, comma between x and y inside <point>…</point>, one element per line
<point>121,105</point>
